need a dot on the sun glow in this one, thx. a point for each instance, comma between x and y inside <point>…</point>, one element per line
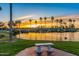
<point>48,23</point>
<point>34,25</point>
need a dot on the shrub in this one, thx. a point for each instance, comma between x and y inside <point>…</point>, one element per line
<point>1,36</point>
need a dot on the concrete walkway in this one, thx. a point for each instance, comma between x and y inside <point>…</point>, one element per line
<point>31,52</point>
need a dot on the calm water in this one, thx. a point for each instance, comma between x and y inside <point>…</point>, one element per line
<point>66,36</point>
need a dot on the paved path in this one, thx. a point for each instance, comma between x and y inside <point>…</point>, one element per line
<point>31,52</point>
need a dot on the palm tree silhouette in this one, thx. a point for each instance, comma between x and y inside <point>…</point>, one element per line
<point>45,18</point>
<point>41,26</point>
<point>36,30</point>
<point>30,20</point>
<point>52,18</point>
<point>71,26</point>
<point>70,22</point>
<point>65,25</point>
<point>36,22</point>
<point>18,22</point>
<point>57,22</point>
<point>61,23</point>
<point>74,23</point>
<point>41,22</point>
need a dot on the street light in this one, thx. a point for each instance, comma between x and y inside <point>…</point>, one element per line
<point>10,23</point>
<point>0,8</point>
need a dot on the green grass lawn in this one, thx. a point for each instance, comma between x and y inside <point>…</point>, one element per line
<point>72,47</point>
<point>7,48</point>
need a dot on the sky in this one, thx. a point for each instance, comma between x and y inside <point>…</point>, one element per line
<point>38,10</point>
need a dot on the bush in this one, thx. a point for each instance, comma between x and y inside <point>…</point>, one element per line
<point>1,36</point>
<point>15,32</point>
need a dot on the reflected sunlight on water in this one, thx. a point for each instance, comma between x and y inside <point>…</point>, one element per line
<point>55,36</point>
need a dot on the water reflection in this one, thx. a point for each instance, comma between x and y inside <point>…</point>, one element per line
<point>66,36</point>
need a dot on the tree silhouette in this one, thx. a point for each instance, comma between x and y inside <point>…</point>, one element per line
<point>36,22</point>
<point>52,18</point>
<point>41,22</point>
<point>70,22</point>
<point>74,23</point>
<point>57,22</point>
<point>45,18</point>
<point>30,20</point>
<point>18,22</point>
<point>36,31</point>
<point>60,23</point>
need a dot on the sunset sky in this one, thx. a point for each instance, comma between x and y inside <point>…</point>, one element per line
<point>38,9</point>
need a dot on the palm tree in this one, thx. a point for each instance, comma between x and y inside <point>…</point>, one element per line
<point>65,25</point>
<point>73,26</point>
<point>41,22</point>
<point>36,30</point>
<point>52,18</point>
<point>70,22</point>
<point>61,23</point>
<point>18,22</point>
<point>30,20</point>
<point>41,26</point>
<point>57,22</point>
<point>74,20</point>
<point>36,22</point>
<point>74,23</point>
<point>70,26</point>
<point>45,18</point>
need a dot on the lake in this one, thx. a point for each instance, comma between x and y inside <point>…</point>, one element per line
<point>54,36</point>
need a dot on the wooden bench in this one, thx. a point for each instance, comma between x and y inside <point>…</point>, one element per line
<point>39,45</point>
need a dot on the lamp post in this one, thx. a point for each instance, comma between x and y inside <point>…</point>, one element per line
<point>0,8</point>
<point>10,24</point>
